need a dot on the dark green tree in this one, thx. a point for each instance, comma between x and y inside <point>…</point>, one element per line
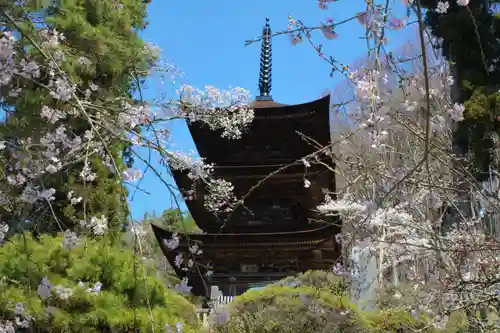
<point>469,40</point>
<point>105,34</point>
<point>174,220</point>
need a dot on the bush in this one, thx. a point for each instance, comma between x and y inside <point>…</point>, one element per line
<point>75,303</point>
<point>314,301</point>
<point>324,280</point>
<point>397,320</point>
<point>288,309</point>
<point>392,313</point>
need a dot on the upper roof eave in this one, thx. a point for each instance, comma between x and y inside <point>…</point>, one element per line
<point>270,104</point>
<point>265,104</point>
<point>307,234</point>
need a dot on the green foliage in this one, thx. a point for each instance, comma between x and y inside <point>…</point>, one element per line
<point>324,280</point>
<point>174,220</point>
<point>105,32</point>
<point>108,38</point>
<point>404,294</point>
<point>130,292</point>
<point>458,323</point>
<point>470,41</point>
<point>396,302</point>
<point>308,303</point>
<point>397,320</point>
<point>287,309</point>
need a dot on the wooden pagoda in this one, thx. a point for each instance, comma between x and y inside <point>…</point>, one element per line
<point>277,232</point>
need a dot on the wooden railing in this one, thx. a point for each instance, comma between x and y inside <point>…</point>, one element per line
<point>220,301</point>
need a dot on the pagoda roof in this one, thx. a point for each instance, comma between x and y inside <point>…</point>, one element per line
<point>248,240</point>
<point>265,104</point>
<point>244,178</point>
<point>264,108</point>
<point>214,243</point>
<point>273,124</point>
<point>272,142</point>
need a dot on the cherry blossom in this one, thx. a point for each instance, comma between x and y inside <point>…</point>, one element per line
<point>173,243</point>
<point>96,289</point>
<point>70,240</point>
<point>396,167</point>
<point>183,286</point>
<point>44,289</point>
<point>442,7</point>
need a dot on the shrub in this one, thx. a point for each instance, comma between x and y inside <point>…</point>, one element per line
<point>397,320</point>
<point>392,313</point>
<point>314,301</point>
<point>75,303</point>
<point>288,309</point>
<point>325,280</point>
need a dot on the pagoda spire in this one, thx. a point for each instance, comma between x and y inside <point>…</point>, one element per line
<point>265,64</point>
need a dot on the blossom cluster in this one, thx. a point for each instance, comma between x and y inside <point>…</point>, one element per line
<point>227,111</point>
<point>400,187</point>
<point>186,261</point>
<point>443,6</point>
<point>59,147</point>
<point>399,194</point>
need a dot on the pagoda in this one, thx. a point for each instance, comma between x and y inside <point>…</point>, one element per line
<point>281,166</point>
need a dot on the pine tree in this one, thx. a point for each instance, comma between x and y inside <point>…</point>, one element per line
<point>104,32</point>
<point>469,38</point>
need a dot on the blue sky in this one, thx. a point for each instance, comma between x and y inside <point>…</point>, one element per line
<point>205,39</point>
